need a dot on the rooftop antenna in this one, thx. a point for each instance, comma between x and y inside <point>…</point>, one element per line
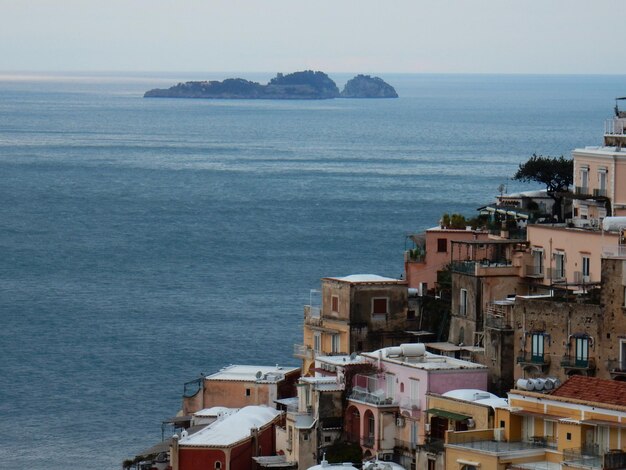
<point>502,189</point>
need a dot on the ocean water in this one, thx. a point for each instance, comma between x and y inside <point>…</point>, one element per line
<point>144,241</point>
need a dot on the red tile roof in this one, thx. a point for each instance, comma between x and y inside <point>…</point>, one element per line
<point>601,391</point>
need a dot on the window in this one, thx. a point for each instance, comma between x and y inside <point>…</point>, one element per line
<point>415,393</point>
<point>390,381</point>
<point>334,300</point>
<point>559,265</point>
<point>584,180</point>
<point>442,245</point>
<point>317,342</point>
<point>624,303</point>
<point>585,268</point>
<point>537,262</point>
<point>327,439</point>
<point>537,347</point>
<point>218,465</point>
<point>379,305</point>
<point>463,302</point>
<point>335,343</point>
<point>568,436</point>
<point>601,183</point>
<point>582,351</point>
<point>371,426</point>
<point>247,392</point>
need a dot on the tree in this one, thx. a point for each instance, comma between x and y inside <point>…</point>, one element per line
<point>556,173</point>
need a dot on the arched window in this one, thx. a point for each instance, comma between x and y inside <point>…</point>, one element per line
<point>218,465</point>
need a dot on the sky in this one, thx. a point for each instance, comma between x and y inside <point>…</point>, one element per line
<point>366,36</point>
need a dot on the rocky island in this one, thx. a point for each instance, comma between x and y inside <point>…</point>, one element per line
<point>305,85</point>
<point>364,86</point>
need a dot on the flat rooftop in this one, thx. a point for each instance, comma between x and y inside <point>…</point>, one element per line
<point>246,373</point>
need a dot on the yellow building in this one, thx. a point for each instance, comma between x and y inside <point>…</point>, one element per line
<point>581,424</point>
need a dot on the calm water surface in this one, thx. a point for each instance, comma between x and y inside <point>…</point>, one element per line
<point>145,241</point>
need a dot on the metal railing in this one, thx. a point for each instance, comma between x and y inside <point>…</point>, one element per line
<point>582,191</point>
<point>614,251</point>
<point>497,322</point>
<point>571,362</point>
<point>615,126</point>
<point>597,192</point>
<point>529,358</point>
<point>533,270</point>
<point>405,445</point>
<point>302,351</point>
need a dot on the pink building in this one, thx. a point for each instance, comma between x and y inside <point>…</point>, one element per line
<point>386,408</point>
<point>432,253</point>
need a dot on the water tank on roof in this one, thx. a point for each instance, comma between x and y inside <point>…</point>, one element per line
<point>525,384</point>
<point>394,351</point>
<point>613,224</point>
<point>413,349</point>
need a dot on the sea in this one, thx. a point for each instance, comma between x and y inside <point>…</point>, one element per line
<point>146,241</point>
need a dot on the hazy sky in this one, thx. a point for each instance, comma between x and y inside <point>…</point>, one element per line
<point>484,36</point>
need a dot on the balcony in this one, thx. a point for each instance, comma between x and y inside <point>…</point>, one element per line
<point>617,368</point>
<point>485,268</point>
<point>584,365</point>
<point>614,251</point>
<point>370,390</point>
<point>497,322</point>
<point>581,278</point>
<point>582,191</point>
<point>597,192</point>
<point>433,445</point>
<point>303,351</point>
<point>527,359</point>
<point>312,316</point>
<point>556,274</point>
<point>534,271</point>
<point>405,445</point>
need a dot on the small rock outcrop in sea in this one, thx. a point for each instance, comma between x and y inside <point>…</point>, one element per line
<point>365,86</point>
<point>305,85</point>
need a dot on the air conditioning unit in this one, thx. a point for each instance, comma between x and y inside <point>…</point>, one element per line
<point>400,421</point>
<point>427,428</point>
<point>471,423</point>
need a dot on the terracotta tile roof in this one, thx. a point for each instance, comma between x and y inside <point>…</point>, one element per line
<point>602,391</point>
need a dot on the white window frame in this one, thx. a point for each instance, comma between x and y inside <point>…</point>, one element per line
<point>559,265</point>
<point>584,179</point>
<point>538,260</point>
<point>335,343</point>
<point>537,345</point>
<point>586,267</point>
<point>317,341</point>
<point>463,302</point>
<point>390,382</point>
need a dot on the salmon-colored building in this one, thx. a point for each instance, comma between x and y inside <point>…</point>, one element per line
<point>237,386</point>
<point>432,253</point>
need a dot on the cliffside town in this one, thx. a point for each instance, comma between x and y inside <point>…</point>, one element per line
<point>503,346</point>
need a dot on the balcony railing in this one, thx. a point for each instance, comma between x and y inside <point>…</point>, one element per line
<point>614,251</point>
<point>433,445</point>
<point>572,362</point>
<point>556,274</point>
<point>581,278</point>
<point>597,192</point>
<point>370,390</point>
<point>303,351</point>
<point>533,270</point>
<point>582,191</point>
<point>615,126</point>
<point>497,322</point>
<point>405,445</point>
<point>527,358</point>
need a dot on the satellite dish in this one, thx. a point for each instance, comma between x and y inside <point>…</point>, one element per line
<point>259,374</point>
